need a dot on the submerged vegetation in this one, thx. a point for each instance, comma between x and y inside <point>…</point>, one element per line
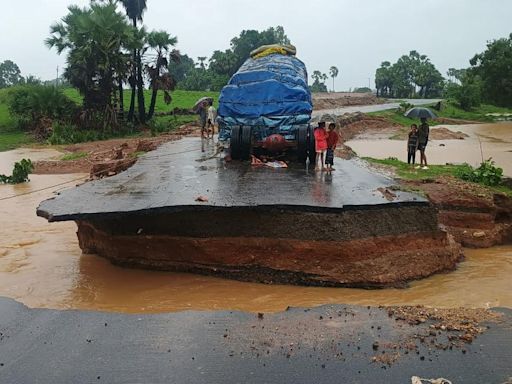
<point>20,172</point>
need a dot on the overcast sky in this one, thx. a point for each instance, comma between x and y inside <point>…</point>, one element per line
<point>355,36</point>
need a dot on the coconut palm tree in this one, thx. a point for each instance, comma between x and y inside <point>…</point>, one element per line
<point>333,71</point>
<point>161,42</point>
<point>95,39</point>
<point>135,10</point>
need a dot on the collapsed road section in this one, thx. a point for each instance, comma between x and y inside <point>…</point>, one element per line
<point>181,209</point>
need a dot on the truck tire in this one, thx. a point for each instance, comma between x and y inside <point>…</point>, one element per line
<point>302,143</point>
<point>245,142</point>
<point>234,143</point>
<point>311,146</point>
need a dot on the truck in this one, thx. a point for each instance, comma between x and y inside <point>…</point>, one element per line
<point>266,106</point>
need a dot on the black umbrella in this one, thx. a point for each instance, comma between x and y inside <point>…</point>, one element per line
<point>420,112</point>
<point>201,102</point>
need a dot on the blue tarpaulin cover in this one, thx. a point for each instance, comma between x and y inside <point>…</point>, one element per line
<point>271,91</point>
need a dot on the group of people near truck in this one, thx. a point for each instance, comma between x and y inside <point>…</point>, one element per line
<point>327,140</point>
<point>325,144</point>
<point>417,140</point>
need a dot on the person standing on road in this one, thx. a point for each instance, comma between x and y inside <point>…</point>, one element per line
<point>412,145</point>
<point>332,142</point>
<point>320,145</point>
<point>212,115</point>
<point>202,118</point>
<point>423,133</point>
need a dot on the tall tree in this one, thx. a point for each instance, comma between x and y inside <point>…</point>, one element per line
<point>10,74</point>
<point>201,60</point>
<point>333,71</point>
<point>411,76</point>
<point>94,39</point>
<point>494,67</point>
<point>242,45</point>
<point>319,82</point>
<point>161,42</point>
<point>135,11</point>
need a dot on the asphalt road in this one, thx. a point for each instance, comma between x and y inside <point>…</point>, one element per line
<point>174,175</point>
<point>372,108</point>
<point>329,344</point>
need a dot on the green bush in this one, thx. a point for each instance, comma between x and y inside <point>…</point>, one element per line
<point>19,173</point>
<point>65,133</point>
<point>487,173</point>
<point>159,126</point>
<point>31,103</point>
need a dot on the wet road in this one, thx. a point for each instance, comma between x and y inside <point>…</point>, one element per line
<point>330,344</point>
<point>373,108</point>
<point>173,176</point>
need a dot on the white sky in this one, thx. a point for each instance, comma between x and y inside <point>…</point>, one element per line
<point>355,36</point>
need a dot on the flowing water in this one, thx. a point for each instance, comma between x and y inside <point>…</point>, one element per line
<point>484,141</point>
<point>41,265</point>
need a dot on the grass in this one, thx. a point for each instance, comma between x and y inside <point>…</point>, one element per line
<point>11,137</point>
<point>406,172</point>
<point>180,99</point>
<point>449,110</point>
<point>74,156</point>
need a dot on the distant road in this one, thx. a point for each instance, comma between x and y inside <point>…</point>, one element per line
<point>372,108</point>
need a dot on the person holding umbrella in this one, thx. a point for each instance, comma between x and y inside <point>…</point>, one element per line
<point>423,132</point>
<point>201,108</point>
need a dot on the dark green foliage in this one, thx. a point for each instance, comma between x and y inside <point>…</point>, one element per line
<point>31,103</point>
<point>95,39</point>
<point>68,133</point>
<point>223,64</point>
<point>411,76</point>
<point>20,172</point>
<point>494,67</point>
<point>10,74</point>
<point>487,173</point>
<point>319,82</point>
<point>362,90</point>
<point>468,93</point>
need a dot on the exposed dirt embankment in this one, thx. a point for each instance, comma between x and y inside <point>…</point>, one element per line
<point>107,157</point>
<point>334,100</point>
<point>361,254</point>
<point>474,216</point>
<point>355,124</point>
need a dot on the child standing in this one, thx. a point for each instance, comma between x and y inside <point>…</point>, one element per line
<point>320,145</point>
<point>332,142</point>
<point>412,144</point>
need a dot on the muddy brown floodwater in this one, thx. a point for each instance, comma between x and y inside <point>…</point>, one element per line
<point>485,140</point>
<point>41,265</point>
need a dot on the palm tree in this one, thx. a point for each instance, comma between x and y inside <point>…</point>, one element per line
<point>333,71</point>
<point>201,60</point>
<point>94,38</point>
<point>135,10</point>
<point>161,42</point>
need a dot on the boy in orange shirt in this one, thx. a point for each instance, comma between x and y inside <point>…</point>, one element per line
<point>332,142</point>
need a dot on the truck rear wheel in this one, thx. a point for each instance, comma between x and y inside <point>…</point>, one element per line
<point>235,143</point>
<point>246,143</point>
<point>302,143</point>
